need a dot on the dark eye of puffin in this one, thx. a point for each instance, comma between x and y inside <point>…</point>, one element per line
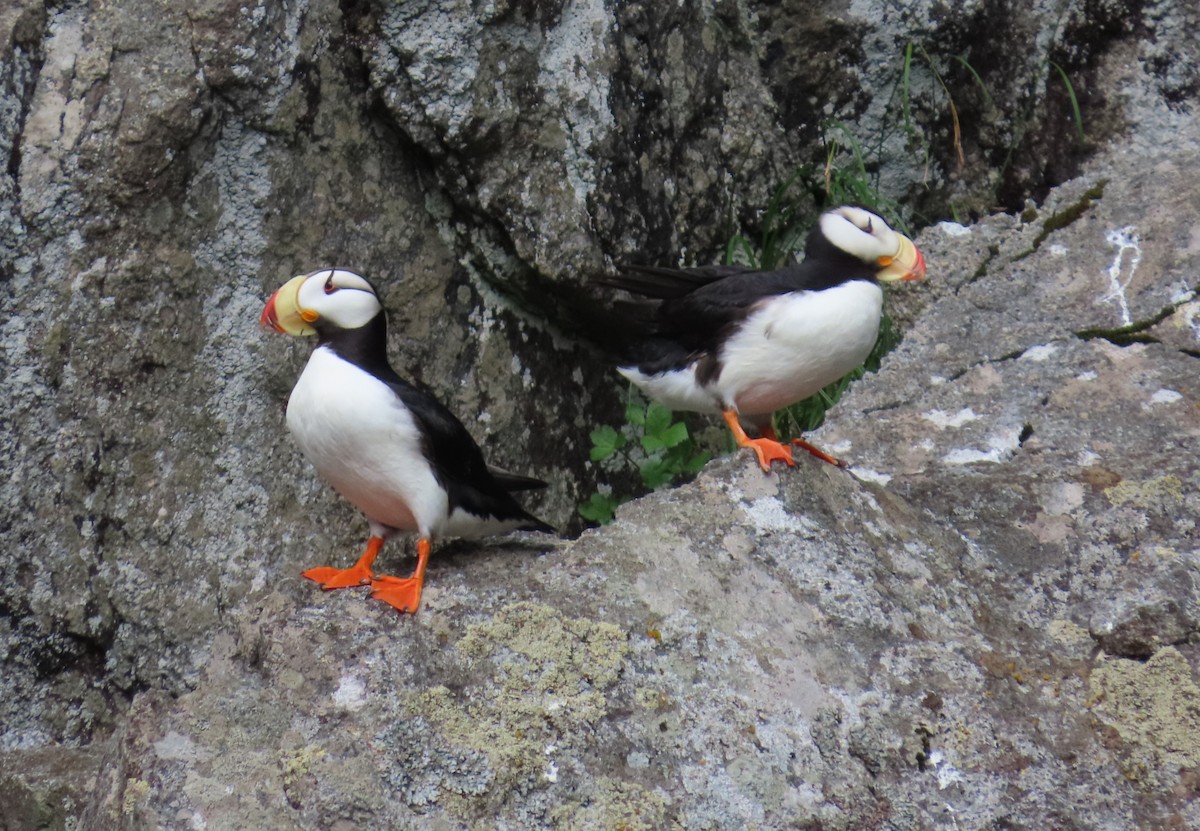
<point>330,288</point>
<point>870,229</point>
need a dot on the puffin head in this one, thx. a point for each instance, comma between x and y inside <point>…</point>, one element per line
<point>866,237</point>
<point>332,298</point>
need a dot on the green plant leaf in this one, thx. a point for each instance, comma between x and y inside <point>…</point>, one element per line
<point>655,473</point>
<point>674,435</point>
<point>600,508</point>
<point>635,414</point>
<point>605,442</point>
<point>696,462</point>
<point>651,443</point>
<point>658,418</point>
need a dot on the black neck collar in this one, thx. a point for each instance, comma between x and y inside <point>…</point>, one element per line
<point>365,347</point>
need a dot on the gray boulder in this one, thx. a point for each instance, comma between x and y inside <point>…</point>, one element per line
<point>989,622</point>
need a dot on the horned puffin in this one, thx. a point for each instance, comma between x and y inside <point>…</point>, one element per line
<point>390,448</point>
<point>745,343</point>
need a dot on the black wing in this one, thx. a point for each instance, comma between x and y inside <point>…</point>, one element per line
<point>665,283</point>
<point>697,305</point>
<point>458,462</point>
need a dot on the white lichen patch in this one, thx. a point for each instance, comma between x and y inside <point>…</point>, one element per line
<point>178,747</point>
<point>1163,396</point>
<point>953,229</point>
<point>1057,250</point>
<point>945,772</point>
<point>767,513</point>
<point>1064,498</point>
<point>941,419</point>
<point>1086,376</point>
<point>1181,293</point>
<point>841,447</point>
<point>1188,316</point>
<point>1000,446</point>
<point>1124,240</point>
<point>351,693</point>
<point>1039,354</point>
<point>868,475</point>
<point>443,60</point>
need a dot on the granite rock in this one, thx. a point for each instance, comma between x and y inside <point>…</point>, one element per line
<point>990,621</point>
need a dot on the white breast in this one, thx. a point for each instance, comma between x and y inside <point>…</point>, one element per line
<point>365,443</point>
<point>798,343</point>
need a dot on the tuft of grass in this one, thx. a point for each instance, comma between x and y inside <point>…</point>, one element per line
<point>987,97</point>
<point>780,230</point>
<point>955,125</point>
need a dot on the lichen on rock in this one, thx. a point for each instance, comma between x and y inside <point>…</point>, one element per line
<point>1154,706</point>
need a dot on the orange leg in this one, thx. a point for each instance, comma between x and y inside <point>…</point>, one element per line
<point>358,574</point>
<point>768,432</point>
<point>404,593</point>
<point>820,454</point>
<point>766,449</point>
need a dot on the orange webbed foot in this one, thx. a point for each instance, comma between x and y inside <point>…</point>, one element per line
<point>335,578</point>
<point>766,447</point>
<point>404,593</point>
<point>769,450</point>
<point>358,574</point>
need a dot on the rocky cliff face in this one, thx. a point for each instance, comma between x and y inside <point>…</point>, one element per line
<point>991,623</point>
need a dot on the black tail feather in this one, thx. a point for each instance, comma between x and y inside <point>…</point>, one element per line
<point>513,482</point>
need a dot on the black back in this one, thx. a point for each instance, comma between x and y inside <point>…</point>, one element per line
<point>456,459</point>
<point>689,312</point>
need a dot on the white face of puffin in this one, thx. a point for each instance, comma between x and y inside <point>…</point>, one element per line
<point>335,296</point>
<point>866,236</point>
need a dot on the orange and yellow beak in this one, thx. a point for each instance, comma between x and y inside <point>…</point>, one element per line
<point>906,264</point>
<point>283,313</point>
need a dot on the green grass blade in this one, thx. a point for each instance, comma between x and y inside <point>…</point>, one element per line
<point>987,98</point>
<point>1074,101</point>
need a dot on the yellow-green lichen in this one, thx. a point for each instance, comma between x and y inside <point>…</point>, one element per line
<point>1155,709</point>
<point>1153,494</point>
<point>136,791</point>
<point>651,699</point>
<point>549,677</point>
<point>563,654</point>
<point>1068,633</point>
<point>615,805</point>
<point>298,763</point>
